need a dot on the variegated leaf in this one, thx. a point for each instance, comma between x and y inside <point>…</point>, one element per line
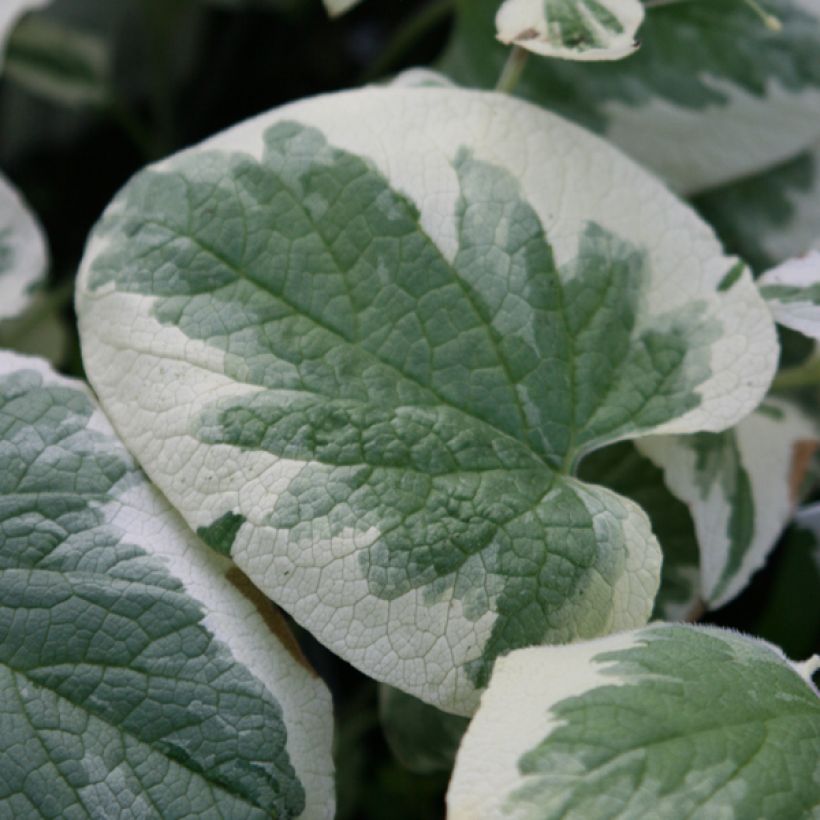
<point>667,721</point>
<point>361,343</point>
<point>23,253</point>
<point>571,29</point>
<point>712,95</point>
<point>741,487</point>
<point>140,673</point>
<point>793,293</point>
<point>770,217</point>
<point>10,12</point>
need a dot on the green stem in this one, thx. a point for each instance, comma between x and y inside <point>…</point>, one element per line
<point>512,70</point>
<point>407,36</point>
<point>806,375</point>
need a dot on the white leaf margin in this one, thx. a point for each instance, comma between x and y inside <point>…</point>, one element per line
<point>24,241</point>
<point>515,713</point>
<point>234,620</point>
<point>775,453</point>
<point>802,315</point>
<point>529,25</point>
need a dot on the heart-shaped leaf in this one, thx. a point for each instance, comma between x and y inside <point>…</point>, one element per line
<point>667,721</point>
<point>362,342</point>
<point>571,29</point>
<point>140,672</point>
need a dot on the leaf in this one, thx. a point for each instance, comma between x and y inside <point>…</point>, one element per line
<point>424,739</point>
<point>382,333</point>
<point>140,672</point>
<point>793,293</point>
<point>10,13</point>
<point>59,62</point>
<point>336,8</point>
<point>623,469</point>
<point>23,252</point>
<point>667,721</point>
<point>571,29</point>
<point>741,486</point>
<point>711,96</point>
<point>770,217</point>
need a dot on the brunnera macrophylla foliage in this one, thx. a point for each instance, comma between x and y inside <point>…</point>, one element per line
<point>712,95</point>
<point>665,721</point>
<point>140,672</point>
<point>582,30</point>
<point>362,342</point>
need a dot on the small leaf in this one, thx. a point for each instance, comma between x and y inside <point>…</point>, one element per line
<point>10,13</point>
<point>793,293</point>
<point>667,721</point>
<point>388,354</point>
<point>23,253</point>
<point>741,486</point>
<point>571,29</point>
<point>335,8</point>
<point>140,671</point>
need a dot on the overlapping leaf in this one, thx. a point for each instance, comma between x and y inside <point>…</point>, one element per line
<point>712,95</point>
<point>139,672</point>
<point>571,29</point>
<point>667,721</point>
<point>770,217</point>
<point>741,486</point>
<point>362,342</point>
<point>793,293</point>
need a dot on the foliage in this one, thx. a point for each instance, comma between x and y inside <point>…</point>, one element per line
<point>424,377</point>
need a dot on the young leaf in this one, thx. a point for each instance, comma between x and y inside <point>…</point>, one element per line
<point>23,253</point>
<point>741,486</point>
<point>711,96</point>
<point>770,217</point>
<point>139,671</point>
<point>667,721</point>
<point>793,293</point>
<point>571,29</point>
<point>361,343</point>
<point>10,13</point>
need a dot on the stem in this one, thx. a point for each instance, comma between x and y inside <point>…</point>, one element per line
<point>512,70</point>
<point>407,36</point>
<point>805,375</point>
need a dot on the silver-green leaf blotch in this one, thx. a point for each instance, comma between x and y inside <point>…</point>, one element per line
<point>23,253</point>
<point>665,722</point>
<point>712,95</point>
<point>793,293</point>
<point>571,29</point>
<point>368,337</point>
<point>741,486</point>
<point>140,673</point>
